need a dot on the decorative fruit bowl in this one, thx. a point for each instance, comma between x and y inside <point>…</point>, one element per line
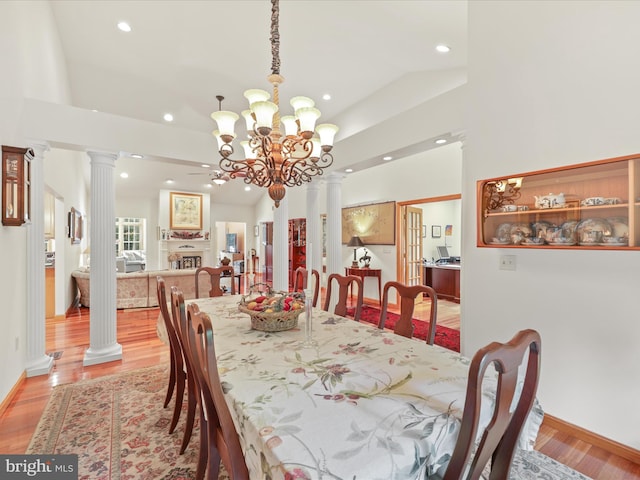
<point>272,311</point>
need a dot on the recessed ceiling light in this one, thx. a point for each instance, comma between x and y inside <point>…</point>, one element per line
<point>204,165</point>
<point>136,155</point>
<point>443,48</point>
<point>440,141</point>
<point>387,158</point>
<point>94,110</point>
<point>168,117</point>
<point>124,175</point>
<point>124,26</point>
<point>247,188</point>
<point>208,185</point>
<point>349,170</point>
<point>326,96</point>
<point>169,181</point>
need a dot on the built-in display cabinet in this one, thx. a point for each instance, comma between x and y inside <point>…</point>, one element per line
<point>592,205</point>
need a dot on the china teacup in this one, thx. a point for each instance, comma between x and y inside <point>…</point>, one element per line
<point>612,201</point>
<point>591,201</point>
<point>509,208</point>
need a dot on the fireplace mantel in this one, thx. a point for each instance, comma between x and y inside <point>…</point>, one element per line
<point>185,248</point>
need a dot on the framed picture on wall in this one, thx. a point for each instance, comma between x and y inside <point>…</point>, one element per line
<point>76,226</point>
<point>436,231</point>
<point>185,211</point>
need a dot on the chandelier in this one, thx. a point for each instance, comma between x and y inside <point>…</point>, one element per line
<point>273,159</point>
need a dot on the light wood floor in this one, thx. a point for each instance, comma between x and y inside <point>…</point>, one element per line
<point>141,347</point>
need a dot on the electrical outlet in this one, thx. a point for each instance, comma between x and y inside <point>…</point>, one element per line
<point>507,262</point>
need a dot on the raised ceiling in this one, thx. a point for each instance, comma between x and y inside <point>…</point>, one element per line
<point>181,54</point>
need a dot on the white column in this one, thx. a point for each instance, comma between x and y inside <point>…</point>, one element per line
<point>314,234</point>
<point>38,362</point>
<point>334,224</point>
<point>103,346</point>
<point>334,228</point>
<point>281,246</point>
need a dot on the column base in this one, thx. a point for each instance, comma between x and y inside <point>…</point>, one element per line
<point>41,366</point>
<point>104,355</point>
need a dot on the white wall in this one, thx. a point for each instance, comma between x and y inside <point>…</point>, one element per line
<point>551,84</point>
<point>448,212</point>
<point>31,58</point>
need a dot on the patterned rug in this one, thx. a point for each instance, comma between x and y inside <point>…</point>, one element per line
<point>445,337</point>
<point>118,428</point>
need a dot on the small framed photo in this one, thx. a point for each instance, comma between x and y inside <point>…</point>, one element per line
<point>436,231</point>
<point>76,226</point>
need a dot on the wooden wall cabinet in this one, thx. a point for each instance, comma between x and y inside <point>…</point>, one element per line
<point>297,245</point>
<point>16,185</point>
<point>593,205</point>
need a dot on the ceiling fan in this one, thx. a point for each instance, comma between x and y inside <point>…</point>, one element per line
<point>216,176</point>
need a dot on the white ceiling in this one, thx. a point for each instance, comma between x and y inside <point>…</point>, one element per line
<point>181,54</point>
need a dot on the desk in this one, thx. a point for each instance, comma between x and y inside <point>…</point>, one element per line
<point>367,272</point>
<point>445,280</point>
<point>363,403</point>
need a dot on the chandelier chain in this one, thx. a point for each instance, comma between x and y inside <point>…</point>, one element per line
<point>275,38</point>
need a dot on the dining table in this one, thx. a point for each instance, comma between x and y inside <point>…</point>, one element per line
<point>357,402</point>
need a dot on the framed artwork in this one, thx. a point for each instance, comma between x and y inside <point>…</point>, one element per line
<point>76,226</point>
<point>185,211</point>
<point>448,230</point>
<point>436,231</point>
<point>375,224</point>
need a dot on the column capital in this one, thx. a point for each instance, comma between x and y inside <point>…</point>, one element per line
<point>38,146</point>
<point>102,155</point>
<point>335,178</point>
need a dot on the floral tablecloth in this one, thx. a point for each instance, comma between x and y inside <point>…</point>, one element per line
<point>363,404</point>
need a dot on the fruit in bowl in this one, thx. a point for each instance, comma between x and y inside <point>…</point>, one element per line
<point>271,303</point>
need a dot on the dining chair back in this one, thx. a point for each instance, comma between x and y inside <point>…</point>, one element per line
<point>408,295</point>
<point>344,282</point>
<point>498,440</point>
<point>223,441</point>
<point>177,373</point>
<point>300,278</point>
<point>215,274</point>
<point>193,388</point>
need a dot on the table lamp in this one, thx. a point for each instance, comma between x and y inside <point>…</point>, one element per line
<point>355,242</point>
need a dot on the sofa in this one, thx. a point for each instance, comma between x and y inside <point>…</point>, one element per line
<point>131,261</point>
<point>139,289</point>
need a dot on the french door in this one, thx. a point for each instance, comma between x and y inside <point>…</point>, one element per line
<point>412,245</point>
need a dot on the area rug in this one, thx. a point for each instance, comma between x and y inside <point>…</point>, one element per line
<point>118,428</point>
<point>445,337</point>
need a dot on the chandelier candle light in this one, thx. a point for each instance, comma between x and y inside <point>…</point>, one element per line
<point>273,159</point>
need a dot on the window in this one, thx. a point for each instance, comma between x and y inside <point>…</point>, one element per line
<point>130,234</point>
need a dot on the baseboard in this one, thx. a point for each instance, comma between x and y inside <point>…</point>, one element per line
<point>607,444</point>
<point>5,403</point>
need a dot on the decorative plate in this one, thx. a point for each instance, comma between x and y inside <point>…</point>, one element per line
<point>591,230</point>
<point>569,230</point>
<point>540,228</point>
<point>620,226</point>
<point>503,232</point>
<point>523,229</point>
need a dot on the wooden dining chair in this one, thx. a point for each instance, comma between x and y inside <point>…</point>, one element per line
<point>222,443</point>
<point>177,373</point>
<point>215,274</point>
<point>344,282</point>
<point>300,278</point>
<point>408,294</point>
<point>498,441</point>
<point>194,397</point>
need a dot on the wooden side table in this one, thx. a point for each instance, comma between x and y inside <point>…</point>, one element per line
<point>367,272</point>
